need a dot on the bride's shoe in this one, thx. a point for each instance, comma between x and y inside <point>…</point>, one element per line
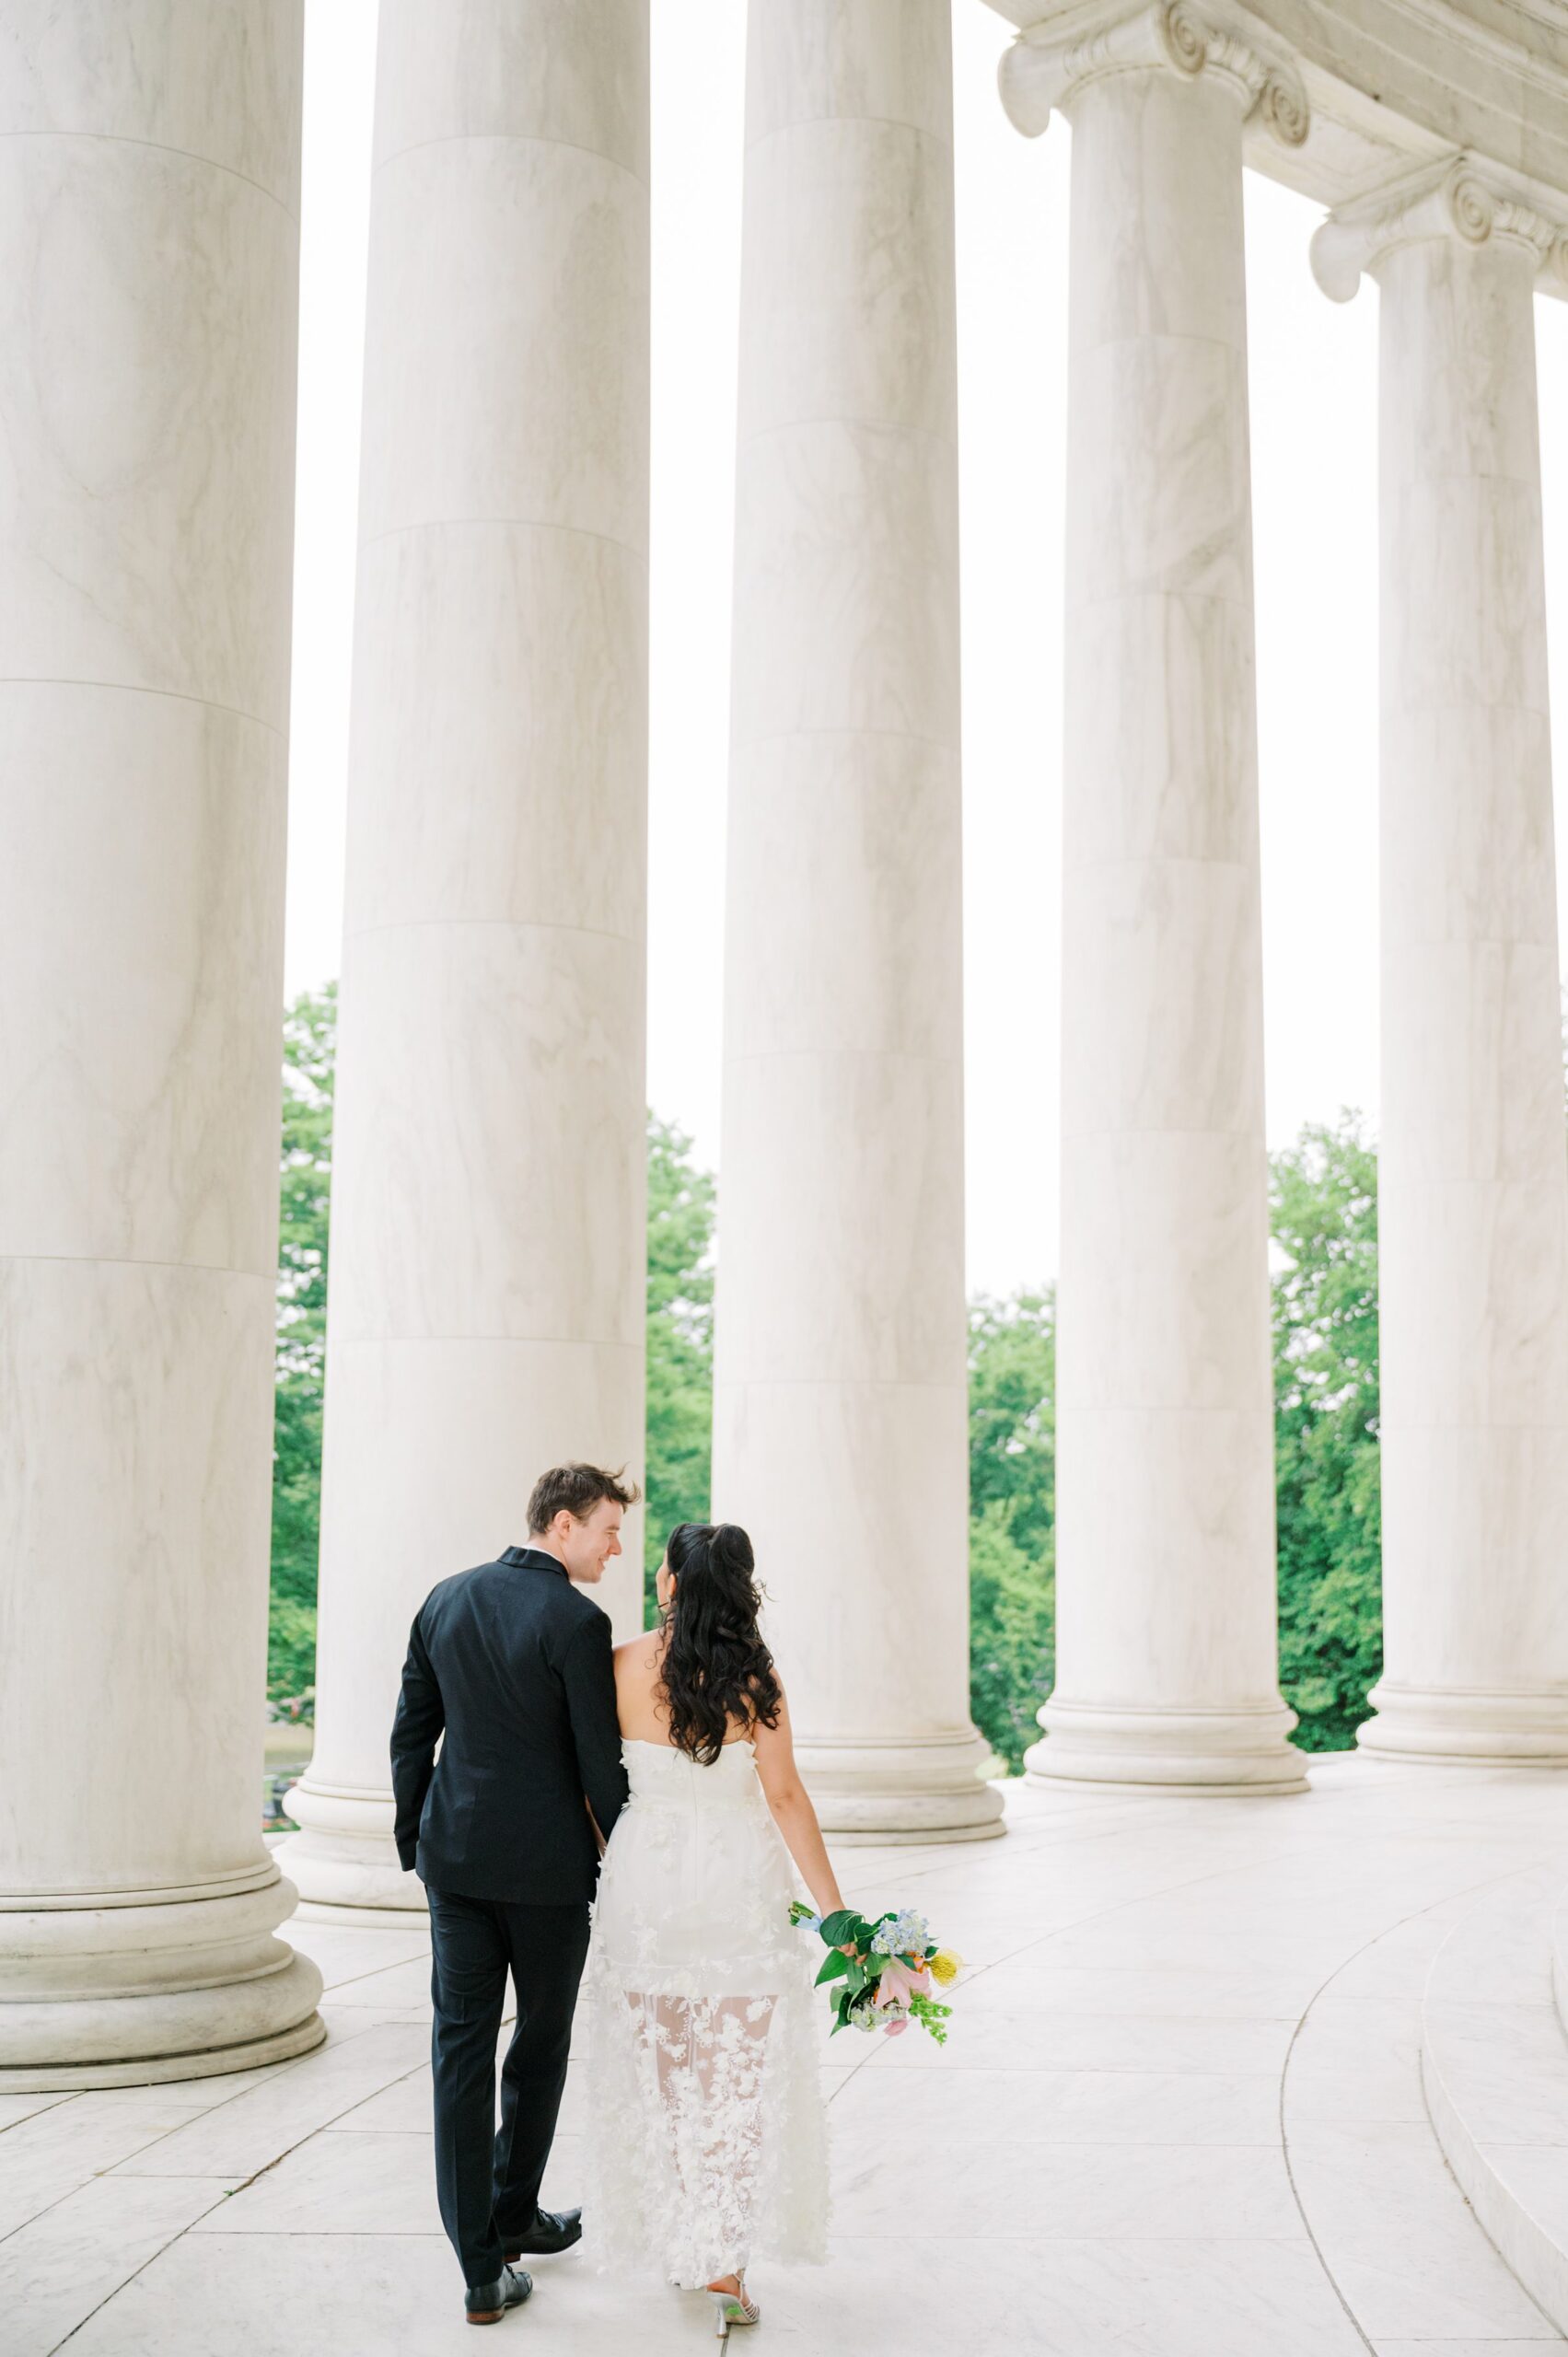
<point>734,2307</point>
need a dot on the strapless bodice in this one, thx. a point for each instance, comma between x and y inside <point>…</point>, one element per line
<point>662,1777</point>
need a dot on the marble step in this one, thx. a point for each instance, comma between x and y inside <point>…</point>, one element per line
<point>1494,2066</point>
<point>1560,1958</point>
<point>1402,2245</point>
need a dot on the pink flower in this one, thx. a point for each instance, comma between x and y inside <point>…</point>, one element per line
<point>897,2029</point>
<point>896,1981</point>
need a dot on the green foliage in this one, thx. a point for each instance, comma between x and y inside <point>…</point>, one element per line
<point>1012,1517</point>
<point>932,2016</point>
<point>1324,1203</point>
<point>309,1040</point>
<point>1325,1341</point>
<point>1324,1217</point>
<point>679,1341</point>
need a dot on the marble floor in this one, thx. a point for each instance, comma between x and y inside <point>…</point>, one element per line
<point>1181,2115</point>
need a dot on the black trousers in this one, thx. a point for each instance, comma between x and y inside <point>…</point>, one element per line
<point>488,2182</point>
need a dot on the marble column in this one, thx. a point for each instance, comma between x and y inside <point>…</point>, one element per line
<point>1473,1172</point>
<point>1165,1580</point>
<point>149,173</point>
<point>840,1435</point>
<point>487,1248</point>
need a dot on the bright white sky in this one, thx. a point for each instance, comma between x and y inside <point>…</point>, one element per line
<point>1314,442</point>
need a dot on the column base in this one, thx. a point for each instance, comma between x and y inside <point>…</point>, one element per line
<point>1201,1752</point>
<point>120,1988</point>
<point>901,1790</point>
<point>1456,1729</point>
<point>343,1860</point>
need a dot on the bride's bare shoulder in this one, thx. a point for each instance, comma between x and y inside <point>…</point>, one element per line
<point>638,1655</point>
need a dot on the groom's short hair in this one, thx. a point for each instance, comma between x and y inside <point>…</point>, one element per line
<point>577,1490</point>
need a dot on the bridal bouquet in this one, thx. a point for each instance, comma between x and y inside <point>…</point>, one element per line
<point>890,1969</point>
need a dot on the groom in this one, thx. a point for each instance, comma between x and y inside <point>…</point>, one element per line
<point>512,1663</point>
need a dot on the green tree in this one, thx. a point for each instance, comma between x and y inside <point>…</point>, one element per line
<point>309,1042</point>
<point>679,1340</point>
<point>1324,1217</point>
<point>1325,1339</point>
<point>1012,1517</point>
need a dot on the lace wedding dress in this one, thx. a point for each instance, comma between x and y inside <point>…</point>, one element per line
<point>706,2136</point>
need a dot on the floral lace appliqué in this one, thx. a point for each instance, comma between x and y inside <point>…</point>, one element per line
<point>705,2130</point>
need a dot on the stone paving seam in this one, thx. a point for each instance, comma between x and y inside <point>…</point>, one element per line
<point>113,2293</point>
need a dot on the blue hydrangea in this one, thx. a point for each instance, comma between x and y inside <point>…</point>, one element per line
<point>907,1934</point>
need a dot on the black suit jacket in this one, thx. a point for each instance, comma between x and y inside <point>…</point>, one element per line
<point>513,1665</point>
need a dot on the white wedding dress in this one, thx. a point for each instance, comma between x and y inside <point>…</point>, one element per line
<point>706,2136</point>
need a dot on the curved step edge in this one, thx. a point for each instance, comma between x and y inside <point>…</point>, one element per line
<point>1494,2068</point>
<point>1560,1958</point>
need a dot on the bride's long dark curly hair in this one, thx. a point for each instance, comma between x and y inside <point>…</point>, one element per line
<point>716,1669</point>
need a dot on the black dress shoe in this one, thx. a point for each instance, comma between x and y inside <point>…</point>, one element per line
<point>552,2231</point>
<point>488,2303</point>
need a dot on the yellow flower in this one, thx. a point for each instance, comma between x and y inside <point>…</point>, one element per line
<point>944,1966</point>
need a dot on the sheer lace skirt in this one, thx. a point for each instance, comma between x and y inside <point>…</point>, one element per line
<point>706,2132</point>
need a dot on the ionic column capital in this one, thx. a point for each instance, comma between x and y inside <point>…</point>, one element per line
<point>1461,198</point>
<point>1047,66</point>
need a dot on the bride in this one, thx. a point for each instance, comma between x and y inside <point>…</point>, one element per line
<point>706,2134</point>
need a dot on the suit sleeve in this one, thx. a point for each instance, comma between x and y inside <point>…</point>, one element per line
<point>420,1718</point>
<point>587,1672</point>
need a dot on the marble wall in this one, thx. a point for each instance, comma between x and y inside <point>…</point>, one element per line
<point>1164,1511</point>
<point>839,1433</point>
<point>1473,1181</point>
<point>487,1246</point>
<point>148,266</point>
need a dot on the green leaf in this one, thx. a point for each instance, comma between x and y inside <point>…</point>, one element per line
<point>833,1963</point>
<point>842,1926</point>
<point>304,1178</point>
<point>679,1340</point>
